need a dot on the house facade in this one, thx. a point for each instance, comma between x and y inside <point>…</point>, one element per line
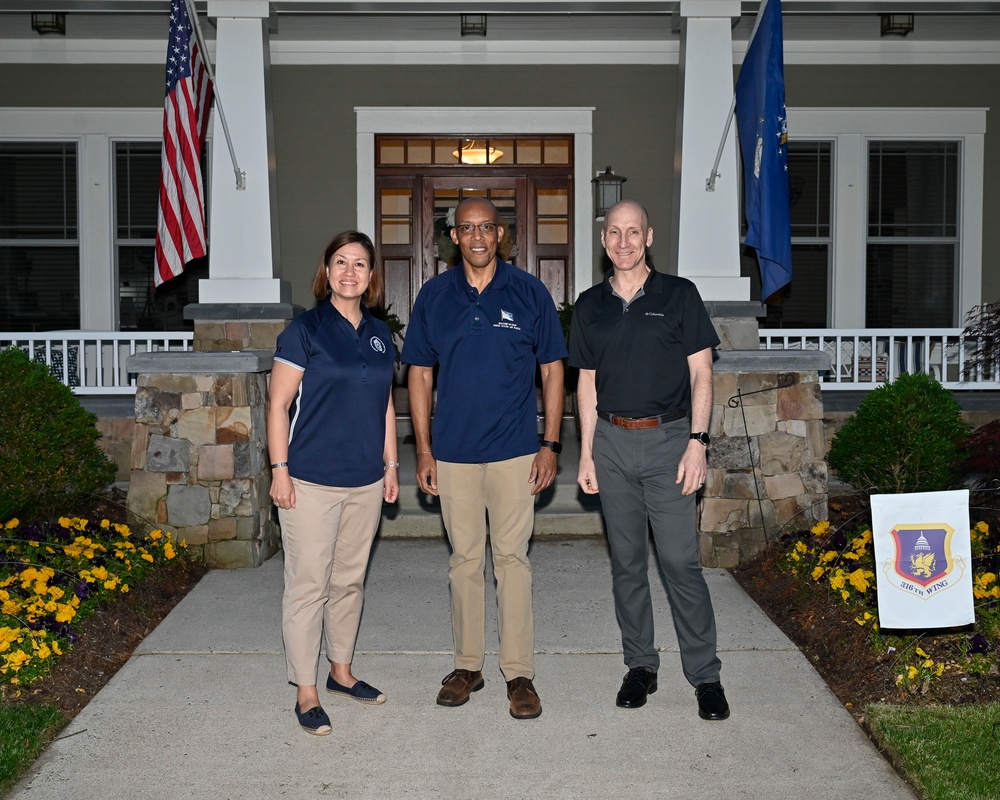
<point>365,114</point>
<point>382,115</point>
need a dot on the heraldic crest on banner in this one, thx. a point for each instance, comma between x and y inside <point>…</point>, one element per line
<point>923,563</point>
<point>924,556</point>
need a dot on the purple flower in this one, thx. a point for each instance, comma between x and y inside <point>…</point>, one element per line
<point>978,644</point>
<point>62,629</point>
<point>81,590</point>
<point>32,533</point>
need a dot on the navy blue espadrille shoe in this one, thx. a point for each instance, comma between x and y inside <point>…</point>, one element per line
<point>360,691</point>
<point>314,721</point>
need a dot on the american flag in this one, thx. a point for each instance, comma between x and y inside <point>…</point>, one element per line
<point>180,220</point>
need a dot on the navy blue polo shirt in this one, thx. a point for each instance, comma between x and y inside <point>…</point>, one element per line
<point>487,345</point>
<point>640,353</point>
<point>337,435</point>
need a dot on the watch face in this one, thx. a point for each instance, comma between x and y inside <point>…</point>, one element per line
<point>702,437</point>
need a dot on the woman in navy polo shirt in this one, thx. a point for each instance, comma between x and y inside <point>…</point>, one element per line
<point>331,431</point>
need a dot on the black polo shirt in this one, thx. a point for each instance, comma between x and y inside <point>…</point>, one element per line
<point>640,352</point>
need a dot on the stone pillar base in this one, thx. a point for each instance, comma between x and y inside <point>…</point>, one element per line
<point>767,462</point>
<point>225,327</point>
<point>199,453</point>
<point>736,323</point>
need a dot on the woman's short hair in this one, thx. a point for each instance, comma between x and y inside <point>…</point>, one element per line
<point>376,286</point>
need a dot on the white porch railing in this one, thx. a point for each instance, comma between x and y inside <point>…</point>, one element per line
<point>93,362</point>
<point>867,358</point>
<point>861,359</point>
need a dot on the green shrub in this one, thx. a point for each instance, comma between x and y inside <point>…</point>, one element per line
<point>905,437</point>
<point>49,456</point>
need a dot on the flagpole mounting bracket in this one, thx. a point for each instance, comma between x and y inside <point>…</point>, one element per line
<point>241,180</point>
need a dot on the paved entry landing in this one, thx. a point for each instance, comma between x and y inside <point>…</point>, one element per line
<point>202,710</point>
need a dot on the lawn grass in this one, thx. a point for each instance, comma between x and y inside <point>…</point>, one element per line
<point>24,731</point>
<point>947,752</point>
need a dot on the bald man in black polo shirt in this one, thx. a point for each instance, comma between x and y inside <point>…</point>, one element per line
<point>643,343</point>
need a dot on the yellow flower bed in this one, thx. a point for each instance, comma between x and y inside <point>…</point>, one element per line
<point>845,565</point>
<point>53,574</point>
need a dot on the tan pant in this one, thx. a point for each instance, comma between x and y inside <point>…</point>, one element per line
<point>327,538</point>
<point>468,492</point>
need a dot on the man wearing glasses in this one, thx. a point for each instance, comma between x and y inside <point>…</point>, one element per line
<point>485,324</point>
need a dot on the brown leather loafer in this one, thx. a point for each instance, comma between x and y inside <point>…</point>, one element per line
<point>524,701</point>
<point>458,685</point>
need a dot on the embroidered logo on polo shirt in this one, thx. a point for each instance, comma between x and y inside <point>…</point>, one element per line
<point>507,321</point>
<point>377,344</point>
<point>654,314</point>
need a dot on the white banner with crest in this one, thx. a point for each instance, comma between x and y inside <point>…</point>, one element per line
<point>923,559</point>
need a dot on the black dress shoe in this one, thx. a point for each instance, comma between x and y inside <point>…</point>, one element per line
<point>712,701</point>
<point>639,683</point>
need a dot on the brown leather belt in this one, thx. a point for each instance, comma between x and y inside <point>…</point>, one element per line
<point>638,423</point>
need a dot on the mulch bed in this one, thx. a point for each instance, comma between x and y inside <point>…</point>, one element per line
<point>108,637</point>
<point>844,653</point>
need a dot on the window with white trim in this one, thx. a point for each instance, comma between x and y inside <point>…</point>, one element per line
<point>39,236</point>
<point>105,194</point>
<point>912,234</point>
<point>906,225</point>
<point>141,306</point>
<point>804,302</point>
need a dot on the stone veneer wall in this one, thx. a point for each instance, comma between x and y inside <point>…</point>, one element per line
<point>227,328</point>
<point>784,463</point>
<point>116,442</point>
<point>199,454</point>
<point>225,337</point>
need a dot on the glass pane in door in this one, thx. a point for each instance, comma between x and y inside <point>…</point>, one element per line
<point>445,250</point>
<point>396,212</point>
<point>506,202</point>
<point>446,199</point>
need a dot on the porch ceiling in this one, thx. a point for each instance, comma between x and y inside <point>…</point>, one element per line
<point>328,20</point>
<point>521,7</point>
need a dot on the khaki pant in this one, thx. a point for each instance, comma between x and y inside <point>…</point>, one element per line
<point>326,538</point>
<point>468,492</point>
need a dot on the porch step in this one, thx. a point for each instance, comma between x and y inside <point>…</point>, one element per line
<point>562,509</point>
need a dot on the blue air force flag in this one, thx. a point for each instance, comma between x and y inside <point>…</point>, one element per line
<point>763,135</point>
<point>923,558</point>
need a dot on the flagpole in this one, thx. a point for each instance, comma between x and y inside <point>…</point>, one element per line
<point>710,181</point>
<point>241,176</point>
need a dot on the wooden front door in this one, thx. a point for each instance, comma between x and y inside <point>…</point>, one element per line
<point>415,209</point>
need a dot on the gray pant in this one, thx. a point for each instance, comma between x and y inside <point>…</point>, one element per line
<point>637,474</point>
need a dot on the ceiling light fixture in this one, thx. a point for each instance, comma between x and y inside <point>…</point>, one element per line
<point>477,151</point>
<point>897,24</point>
<point>473,25</point>
<point>43,24</point>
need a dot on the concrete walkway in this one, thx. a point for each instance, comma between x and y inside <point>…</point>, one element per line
<point>202,710</point>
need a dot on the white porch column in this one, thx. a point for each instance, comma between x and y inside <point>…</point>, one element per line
<point>705,242</point>
<point>244,265</point>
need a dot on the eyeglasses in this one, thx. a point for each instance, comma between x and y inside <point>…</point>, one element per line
<point>466,228</point>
